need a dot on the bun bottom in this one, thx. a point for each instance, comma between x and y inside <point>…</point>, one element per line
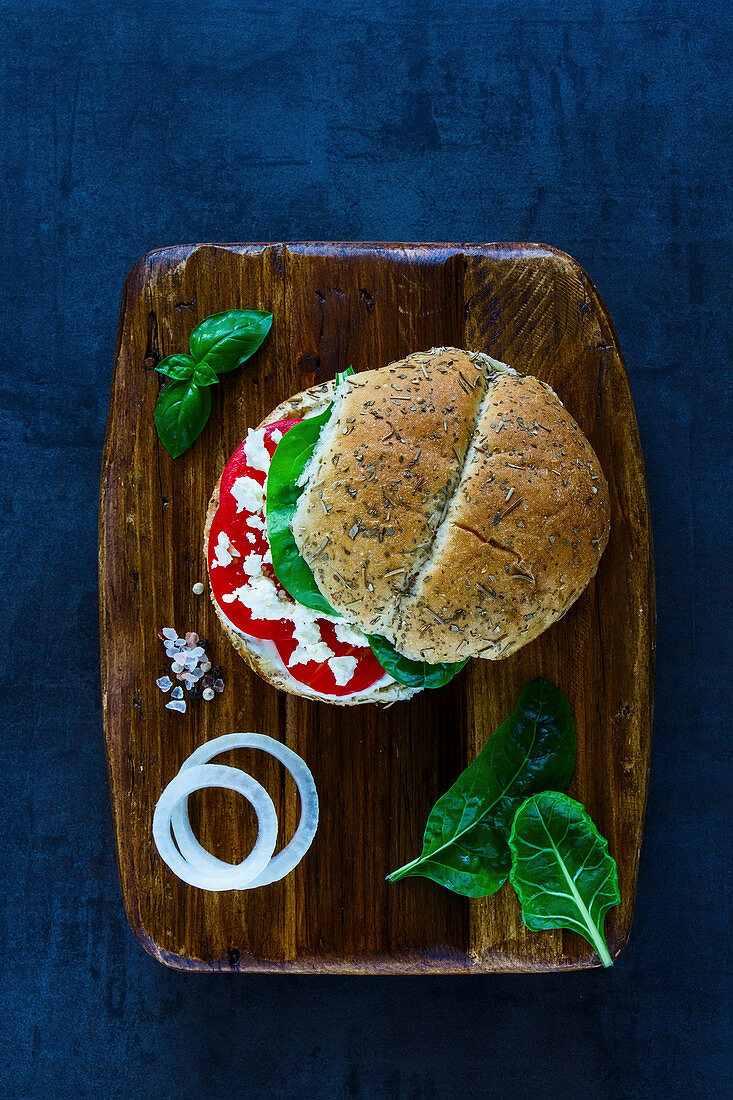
<point>255,653</point>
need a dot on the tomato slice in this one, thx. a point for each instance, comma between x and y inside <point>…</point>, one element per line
<point>319,676</point>
<point>246,534</point>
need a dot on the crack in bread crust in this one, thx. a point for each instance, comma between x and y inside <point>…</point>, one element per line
<point>424,492</point>
<point>384,475</point>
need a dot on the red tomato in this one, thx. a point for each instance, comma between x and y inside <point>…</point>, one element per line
<point>245,539</point>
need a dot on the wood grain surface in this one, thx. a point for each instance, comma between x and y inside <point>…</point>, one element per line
<point>378,771</point>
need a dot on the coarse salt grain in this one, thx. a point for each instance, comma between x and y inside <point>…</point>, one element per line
<point>177,667</point>
<point>168,632</point>
<point>177,704</point>
<point>177,693</point>
<point>198,589</point>
<point>164,683</point>
<point>191,639</point>
<point>207,694</point>
<point>218,685</point>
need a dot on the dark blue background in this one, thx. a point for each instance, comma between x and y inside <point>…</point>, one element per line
<point>600,127</point>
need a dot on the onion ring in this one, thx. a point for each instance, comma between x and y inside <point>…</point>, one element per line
<point>226,876</point>
<point>190,861</point>
<point>286,860</point>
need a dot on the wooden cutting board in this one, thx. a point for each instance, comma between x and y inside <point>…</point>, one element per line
<point>378,771</point>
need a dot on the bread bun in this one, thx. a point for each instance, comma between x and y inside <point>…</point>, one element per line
<point>452,506</point>
<point>262,657</point>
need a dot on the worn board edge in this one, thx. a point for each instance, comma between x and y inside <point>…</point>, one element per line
<point>406,962</point>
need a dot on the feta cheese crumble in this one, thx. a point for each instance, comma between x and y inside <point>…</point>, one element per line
<point>262,598</point>
<point>349,635</point>
<point>343,669</point>
<point>249,495</point>
<point>224,551</point>
<point>255,451</point>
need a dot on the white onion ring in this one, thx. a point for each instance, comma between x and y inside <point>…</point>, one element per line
<point>227,876</point>
<point>190,861</point>
<point>286,860</point>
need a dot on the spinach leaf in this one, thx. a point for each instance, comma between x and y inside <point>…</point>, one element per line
<point>181,411</point>
<point>561,869</point>
<point>283,492</point>
<point>417,674</point>
<point>178,367</point>
<point>226,340</point>
<point>465,843</point>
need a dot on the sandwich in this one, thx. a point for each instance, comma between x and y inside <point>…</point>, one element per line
<point>376,532</point>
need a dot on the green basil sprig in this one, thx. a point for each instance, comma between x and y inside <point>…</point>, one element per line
<point>562,870</point>
<point>283,493</point>
<point>220,344</point>
<point>418,674</point>
<point>465,846</point>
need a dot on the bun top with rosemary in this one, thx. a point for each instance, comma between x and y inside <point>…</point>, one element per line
<point>452,506</point>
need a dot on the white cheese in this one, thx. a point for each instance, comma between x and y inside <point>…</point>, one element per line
<point>249,495</point>
<point>264,601</point>
<point>255,451</point>
<point>250,537</point>
<point>307,634</point>
<point>224,551</point>
<point>256,522</point>
<point>269,650</point>
<point>349,635</point>
<point>252,565</point>
<point>275,435</point>
<point>343,669</point>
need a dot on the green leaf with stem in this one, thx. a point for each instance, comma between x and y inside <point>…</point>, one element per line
<point>465,846</point>
<point>562,870</point>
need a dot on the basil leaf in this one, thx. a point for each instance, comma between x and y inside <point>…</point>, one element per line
<point>283,492</point>
<point>226,340</point>
<point>562,870</point>
<point>181,411</point>
<point>417,674</point>
<point>465,843</point>
<point>178,367</point>
<point>204,375</point>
